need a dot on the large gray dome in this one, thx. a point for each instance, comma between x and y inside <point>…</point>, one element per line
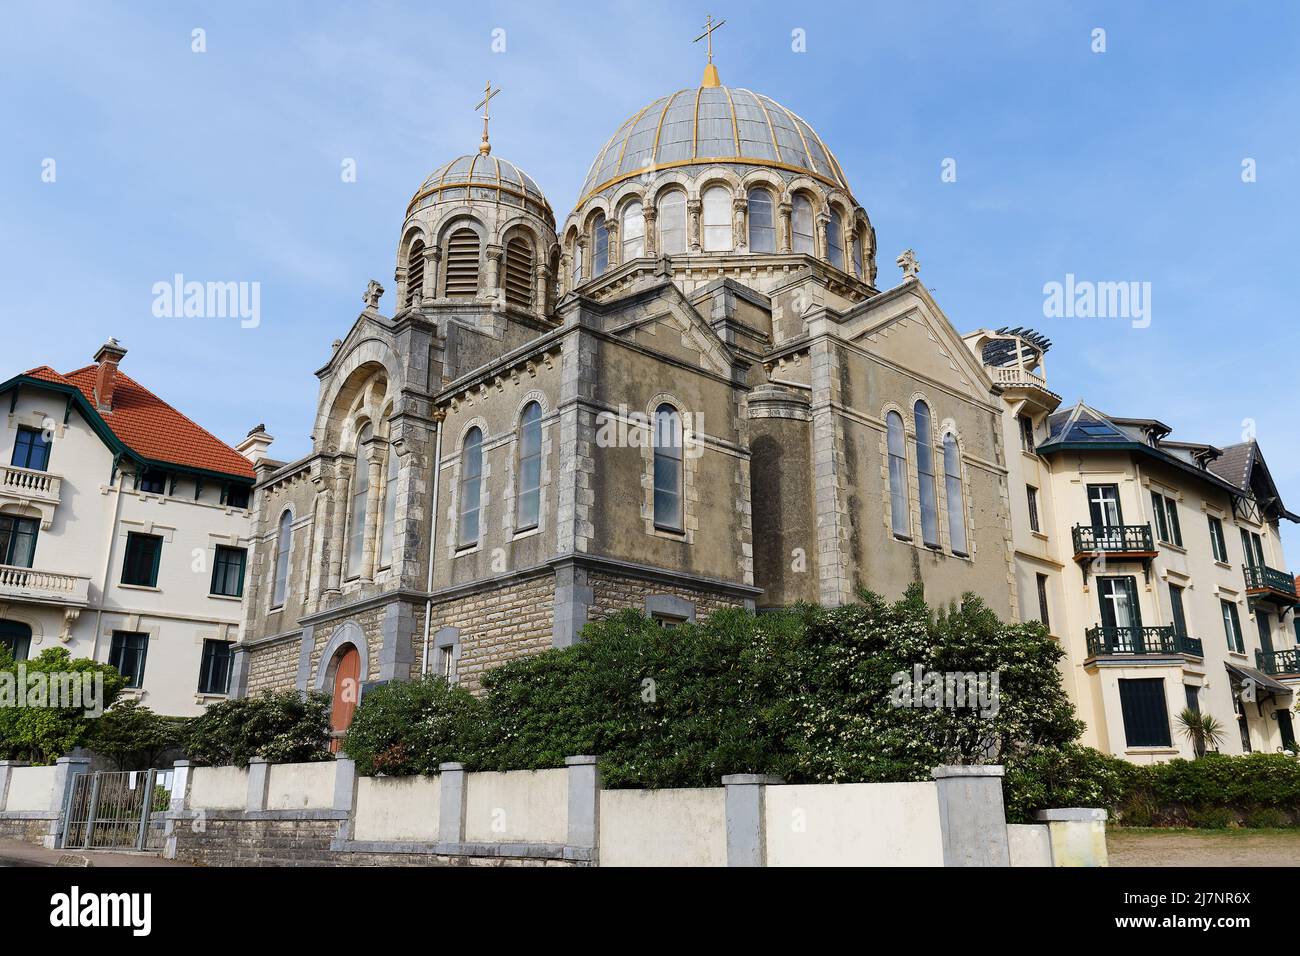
<point>712,124</point>
<point>485,178</point>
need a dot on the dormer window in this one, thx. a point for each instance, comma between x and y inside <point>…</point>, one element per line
<point>152,482</point>
<point>31,449</point>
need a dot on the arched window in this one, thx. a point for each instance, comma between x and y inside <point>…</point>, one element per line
<point>283,547</point>
<point>672,222</point>
<point>575,250</point>
<point>953,491</point>
<point>762,224</point>
<point>357,514</point>
<point>668,468</point>
<point>519,272</point>
<point>717,219</point>
<point>600,245</point>
<point>415,274</point>
<point>802,225</point>
<point>17,637</point>
<point>859,268</point>
<point>529,497</point>
<point>835,240</point>
<point>471,474</point>
<point>897,442</point>
<point>389,531</point>
<point>633,231</point>
<point>925,475</point>
<point>462,264</point>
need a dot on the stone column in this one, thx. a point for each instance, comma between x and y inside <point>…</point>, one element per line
<point>494,253</point>
<point>1077,835</point>
<point>338,533</point>
<point>746,826</point>
<point>851,237</point>
<point>451,807</point>
<point>399,277</point>
<point>823,242</point>
<point>787,228</point>
<point>740,220</point>
<point>65,773</point>
<point>259,777</point>
<point>374,462</point>
<point>432,260</point>
<point>582,262</point>
<point>694,215</point>
<point>541,287</point>
<point>614,246</point>
<point>584,807</point>
<point>651,217</point>
<point>564,280</point>
<point>971,816</point>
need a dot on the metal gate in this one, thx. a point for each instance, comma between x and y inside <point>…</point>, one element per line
<point>110,810</point>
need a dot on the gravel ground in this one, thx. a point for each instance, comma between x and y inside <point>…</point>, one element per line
<point>1203,847</point>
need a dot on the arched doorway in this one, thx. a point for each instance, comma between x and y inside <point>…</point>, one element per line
<point>346,689</point>
<point>17,637</point>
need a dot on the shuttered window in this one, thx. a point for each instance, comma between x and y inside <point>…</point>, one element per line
<point>462,264</point>
<point>519,273</point>
<point>1146,717</point>
<point>415,274</point>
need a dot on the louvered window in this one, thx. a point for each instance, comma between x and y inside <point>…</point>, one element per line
<point>462,264</point>
<point>415,274</point>
<point>519,273</point>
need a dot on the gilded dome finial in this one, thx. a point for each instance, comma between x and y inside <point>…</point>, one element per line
<point>485,147</point>
<point>710,71</point>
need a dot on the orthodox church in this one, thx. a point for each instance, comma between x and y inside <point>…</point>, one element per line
<point>691,393</point>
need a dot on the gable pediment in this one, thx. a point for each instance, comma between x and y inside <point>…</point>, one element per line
<point>668,324</point>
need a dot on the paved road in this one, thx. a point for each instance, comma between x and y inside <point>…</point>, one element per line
<point>17,853</point>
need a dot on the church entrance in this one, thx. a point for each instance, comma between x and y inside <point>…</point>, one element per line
<point>17,637</point>
<point>347,687</point>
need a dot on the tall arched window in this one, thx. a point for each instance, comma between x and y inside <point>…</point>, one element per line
<point>462,264</point>
<point>925,476</point>
<point>414,274</point>
<point>897,442</point>
<point>600,245</point>
<point>529,497</point>
<point>718,235</point>
<point>283,547</point>
<point>668,468</point>
<point>835,239</point>
<point>389,532</point>
<point>762,224</point>
<point>802,225</point>
<point>672,222</point>
<point>357,513</point>
<point>633,231</point>
<point>471,475</point>
<point>858,265</point>
<point>953,492</point>
<point>519,272</point>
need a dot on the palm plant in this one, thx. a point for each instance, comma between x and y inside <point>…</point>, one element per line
<point>1203,730</point>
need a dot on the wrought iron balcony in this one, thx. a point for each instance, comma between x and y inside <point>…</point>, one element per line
<point>1138,641</point>
<point>1131,539</point>
<point>1262,578</point>
<point>1278,662</point>
<point>45,586</point>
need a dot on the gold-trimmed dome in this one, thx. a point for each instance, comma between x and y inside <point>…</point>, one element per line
<point>712,124</point>
<point>484,178</point>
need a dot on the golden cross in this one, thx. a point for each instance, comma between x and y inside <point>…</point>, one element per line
<point>709,27</point>
<point>485,147</point>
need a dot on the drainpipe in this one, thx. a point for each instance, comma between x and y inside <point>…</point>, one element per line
<point>433,542</point>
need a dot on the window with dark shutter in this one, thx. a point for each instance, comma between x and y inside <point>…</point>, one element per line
<point>414,274</point>
<point>462,264</point>
<point>1146,716</point>
<point>519,273</point>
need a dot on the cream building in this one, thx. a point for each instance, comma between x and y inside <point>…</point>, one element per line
<point>123,532</point>
<point>1157,564</point>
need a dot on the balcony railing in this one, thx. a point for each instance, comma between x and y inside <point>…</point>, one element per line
<point>1261,578</point>
<point>1140,640</point>
<point>1116,539</point>
<point>1013,375</point>
<point>29,484</point>
<point>1278,662</point>
<point>37,585</point>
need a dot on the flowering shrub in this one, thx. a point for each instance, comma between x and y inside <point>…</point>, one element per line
<point>282,727</point>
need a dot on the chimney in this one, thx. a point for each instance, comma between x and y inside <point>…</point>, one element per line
<point>109,354</point>
<point>255,445</point>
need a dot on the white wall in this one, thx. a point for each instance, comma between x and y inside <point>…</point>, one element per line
<point>301,786</point>
<point>30,788</point>
<point>663,827</point>
<point>219,788</point>
<point>521,806</point>
<point>1030,844</point>
<point>854,824</point>
<point>397,809</point>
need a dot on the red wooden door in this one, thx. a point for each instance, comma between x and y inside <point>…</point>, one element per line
<point>346,688</point>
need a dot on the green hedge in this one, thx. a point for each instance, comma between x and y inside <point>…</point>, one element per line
<point>282,727</point>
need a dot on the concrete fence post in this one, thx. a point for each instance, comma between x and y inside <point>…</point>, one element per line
<point>972,816</point>
<point>65,775</point>
<point>6,774</point>
<point>1077,836</point>
<point>180,793</point>
<point>259,778</point>
<point>584,807</point>
<point>745,809</point>
<point>451,806</point>
<point>345,795</point>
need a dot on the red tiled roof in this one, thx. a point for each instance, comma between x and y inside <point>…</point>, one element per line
<point>152,428</point>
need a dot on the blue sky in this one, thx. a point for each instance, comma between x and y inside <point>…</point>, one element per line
<point>226,166</point>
